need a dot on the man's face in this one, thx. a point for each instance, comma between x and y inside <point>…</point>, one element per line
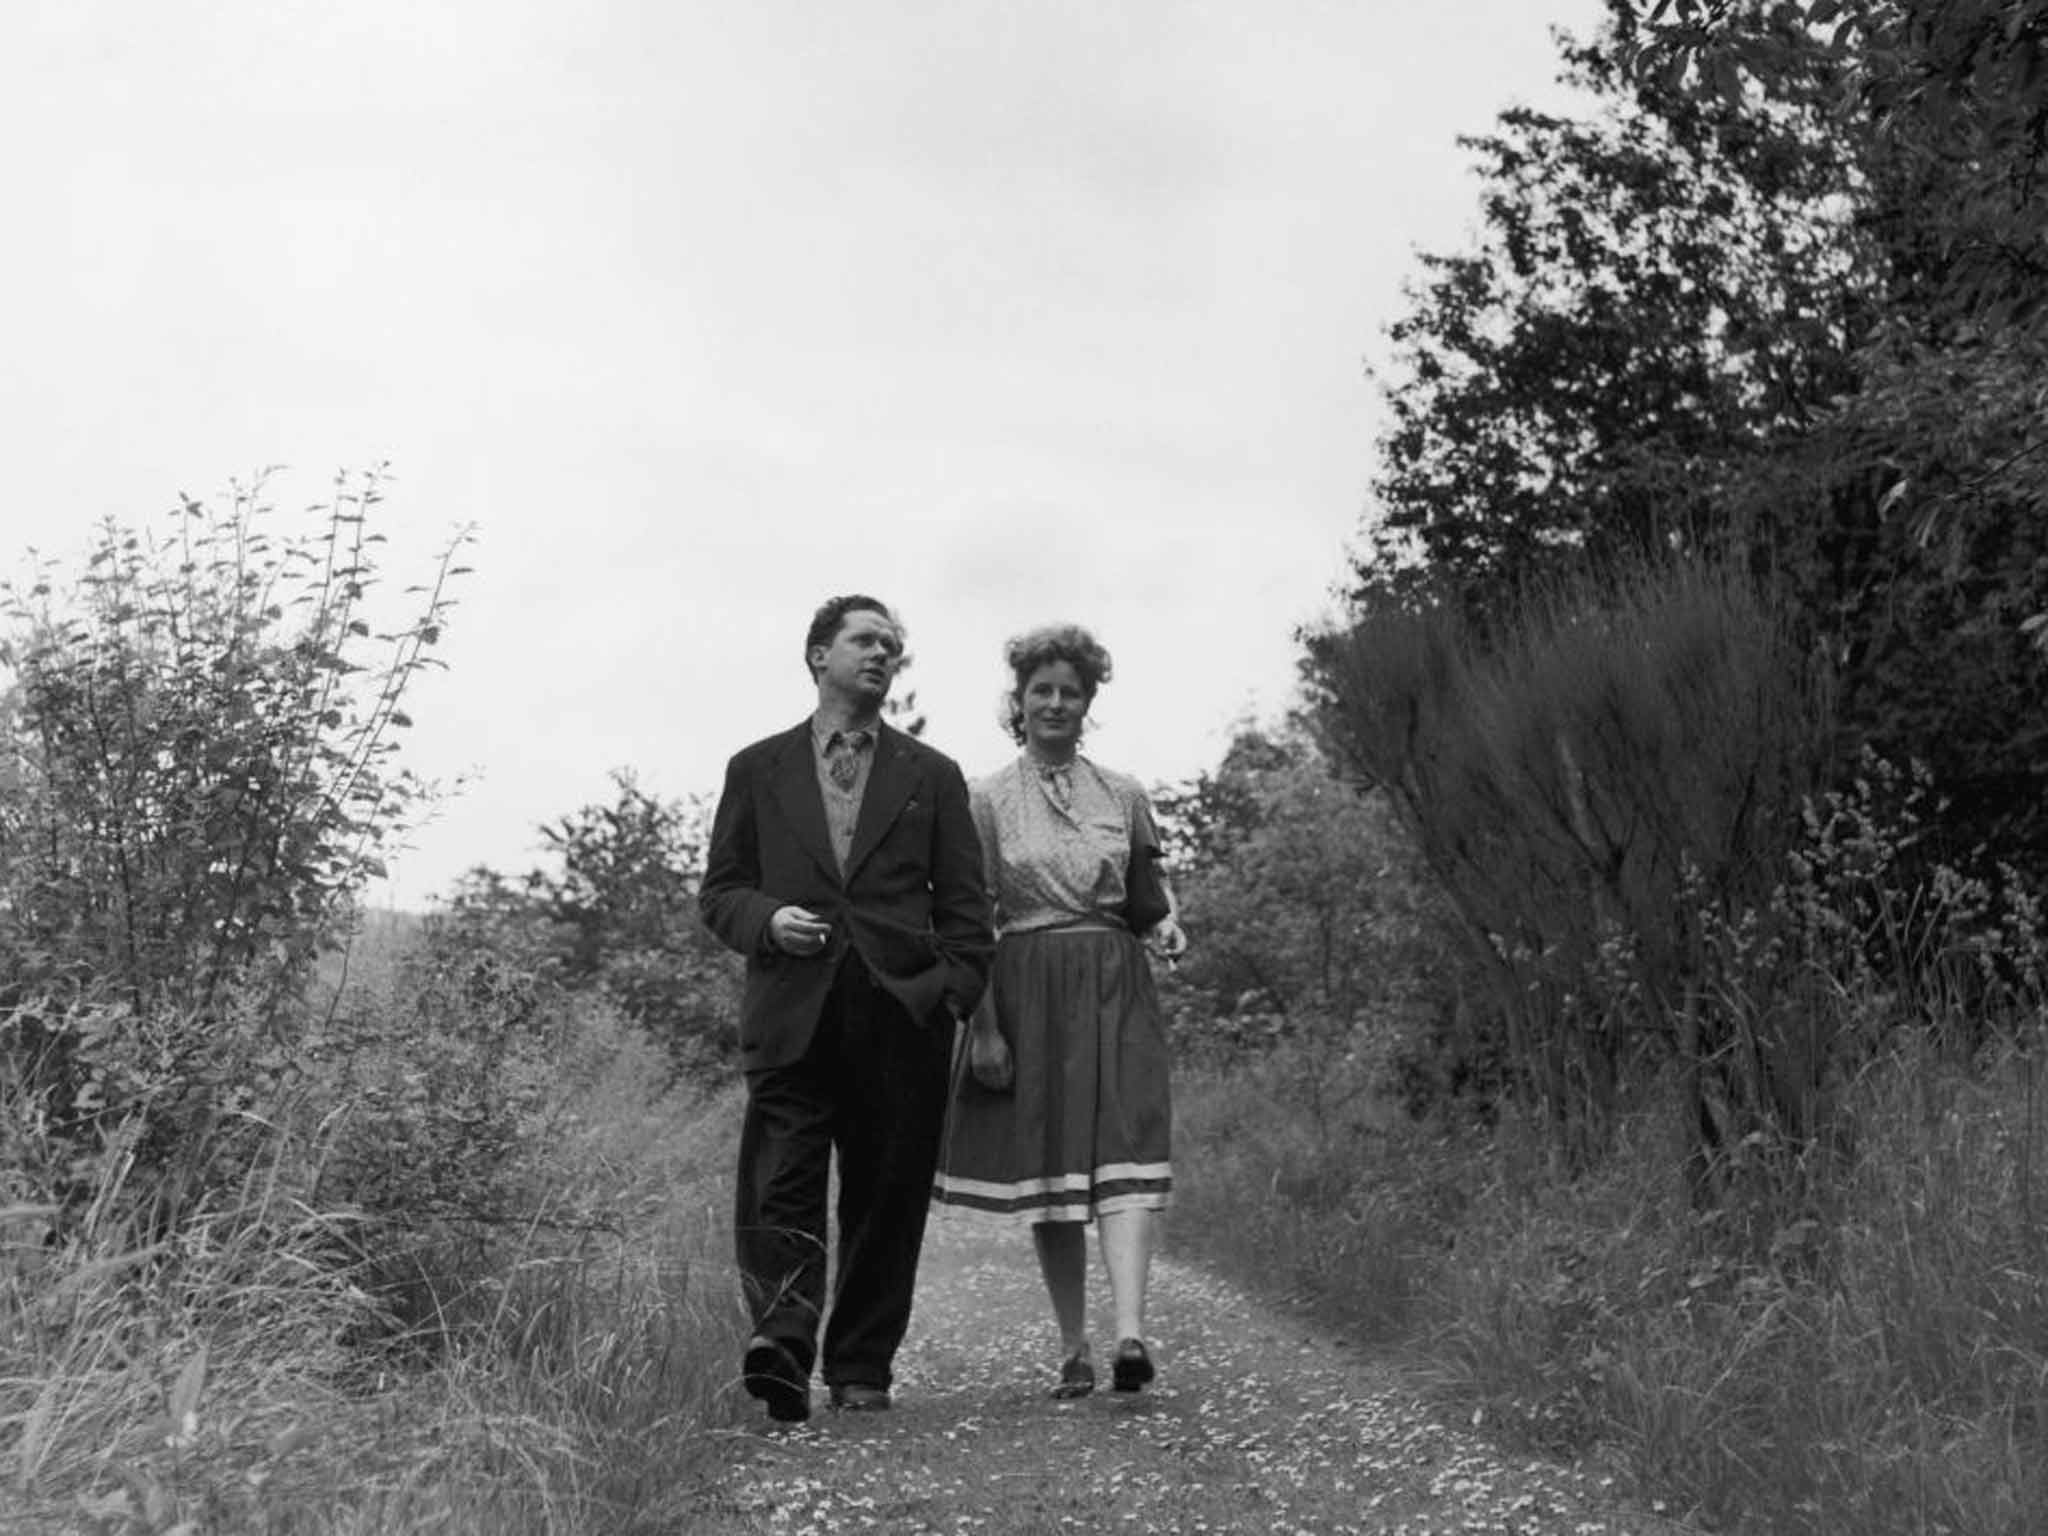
<point>861,662</point>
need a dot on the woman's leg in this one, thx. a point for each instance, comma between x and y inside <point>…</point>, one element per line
<point>1063,1260</point>
<point>1127,1238</point>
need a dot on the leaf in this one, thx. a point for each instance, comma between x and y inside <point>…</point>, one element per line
<point>1728,79</point>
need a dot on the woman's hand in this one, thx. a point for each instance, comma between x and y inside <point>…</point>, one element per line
<point>989,1058</point>
<point>1167,939</point>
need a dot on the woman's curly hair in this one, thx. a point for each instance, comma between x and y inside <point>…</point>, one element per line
<point>1040,647</point>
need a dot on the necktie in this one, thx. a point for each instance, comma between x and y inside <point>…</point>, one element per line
<point>842,757</point>
<point>1061,782</point>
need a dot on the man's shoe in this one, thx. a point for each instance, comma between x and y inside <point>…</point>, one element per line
<point>1133,1368</point>
<point>858,1397</point>
<point>770,1372</point>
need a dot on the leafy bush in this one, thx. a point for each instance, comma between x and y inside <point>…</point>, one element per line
<point>1313,934</point>
<point>617,915</point>
<point>239,1164</point>
<point>199,772</point>
<point>444,1091</point>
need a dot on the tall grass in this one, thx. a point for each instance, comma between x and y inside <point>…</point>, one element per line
<point>1345,1212</point>
<point>1876,1364</point>
<point>1869,1357</point>
<point>1753,1210</point>
<point>562,1366</point>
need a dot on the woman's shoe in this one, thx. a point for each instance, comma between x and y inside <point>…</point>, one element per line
<point>1077,1377</point>
<point>1133,1366</point>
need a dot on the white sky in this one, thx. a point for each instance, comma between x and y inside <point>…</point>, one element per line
<point>1002,310</point>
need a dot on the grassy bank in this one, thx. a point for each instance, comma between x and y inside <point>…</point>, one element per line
<point>1868,1356</point>
<point>371,1332</point>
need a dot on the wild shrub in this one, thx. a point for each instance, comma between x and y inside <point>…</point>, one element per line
<point>237,1166</point>
<point>437,1084</point>
<point>1604,752</point>
<point>199,770</point>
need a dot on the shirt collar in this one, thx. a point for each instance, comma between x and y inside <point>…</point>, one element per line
<point>822,733</point>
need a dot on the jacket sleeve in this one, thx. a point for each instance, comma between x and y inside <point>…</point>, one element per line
<point>730,899</point>
<point>961,913</point>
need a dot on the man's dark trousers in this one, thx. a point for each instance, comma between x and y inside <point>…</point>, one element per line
<point>872,1086</point>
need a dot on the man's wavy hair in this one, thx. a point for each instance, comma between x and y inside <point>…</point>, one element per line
<point>1042,646</point>
<point>831,614</point>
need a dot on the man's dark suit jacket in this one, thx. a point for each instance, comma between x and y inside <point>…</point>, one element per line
<point>913,901</point>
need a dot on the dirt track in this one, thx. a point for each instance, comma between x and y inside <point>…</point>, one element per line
<point>1256,1424</point>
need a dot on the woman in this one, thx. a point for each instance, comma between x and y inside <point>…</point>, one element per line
<point>1060,1113</point>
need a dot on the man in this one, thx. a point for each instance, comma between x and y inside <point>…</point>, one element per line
<point>844,865</point>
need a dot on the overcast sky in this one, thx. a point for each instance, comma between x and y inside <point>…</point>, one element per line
<point>1002,310</point>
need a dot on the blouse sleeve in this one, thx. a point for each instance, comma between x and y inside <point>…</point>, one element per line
<point>1144,828</point>
<point>984,812</point>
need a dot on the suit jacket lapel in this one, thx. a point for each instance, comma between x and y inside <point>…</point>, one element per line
<point>794,779</point>
<point>891,779</point>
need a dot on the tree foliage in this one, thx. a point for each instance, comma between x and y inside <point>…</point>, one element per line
<point>1757,305</point>
<point>1313,931</point>
<point>1947,101</point>
<point>616,912</point>
<point>1661,294</point>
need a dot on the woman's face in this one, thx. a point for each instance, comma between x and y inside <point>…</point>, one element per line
<point>1055,704</point>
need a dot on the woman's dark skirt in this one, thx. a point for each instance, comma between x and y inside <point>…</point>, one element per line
<point>1085,1127</point>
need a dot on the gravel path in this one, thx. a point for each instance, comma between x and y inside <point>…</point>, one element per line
<point>1256,1424</point>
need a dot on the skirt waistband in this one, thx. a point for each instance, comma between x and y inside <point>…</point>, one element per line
<point>1069,925</point>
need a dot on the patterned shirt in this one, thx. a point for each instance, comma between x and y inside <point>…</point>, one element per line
<point>1051,863</point>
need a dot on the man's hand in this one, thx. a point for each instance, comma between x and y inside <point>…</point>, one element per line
<point>798,931</point>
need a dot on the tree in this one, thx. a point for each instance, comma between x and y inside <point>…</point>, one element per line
<point>1725,319</point>
<point>616,913</point>
<point>1309,918</point>
<point>1944,97</point>
<point>1662,293</point>
<point>903,713</point>
<point>1203,820</point>
<point>1936,464</point>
